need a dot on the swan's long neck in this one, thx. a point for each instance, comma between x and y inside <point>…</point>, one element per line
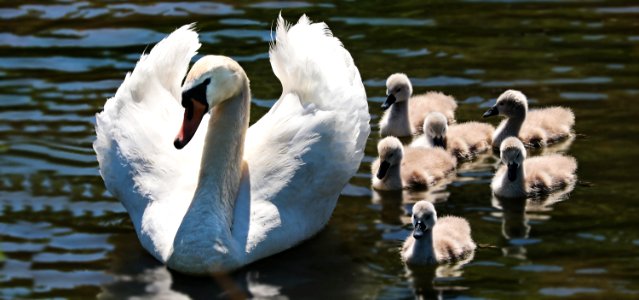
<point>399,116</point>
<point>221,167</point>
<point>511,128</point>
<point>423,248</point>
<point>394,176</point>
<point>516,188</point>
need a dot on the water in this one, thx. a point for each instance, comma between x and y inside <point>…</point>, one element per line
<point>63,236</point>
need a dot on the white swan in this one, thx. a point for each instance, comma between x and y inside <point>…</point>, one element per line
<point>232,195</point>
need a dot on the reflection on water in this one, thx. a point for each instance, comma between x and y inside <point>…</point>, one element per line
<point>62,235</point>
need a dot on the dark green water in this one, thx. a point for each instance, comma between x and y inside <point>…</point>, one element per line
<point>63,236</point>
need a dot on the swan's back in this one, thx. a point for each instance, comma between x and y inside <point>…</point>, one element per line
<point>422,105</point>
<point>546,125</point>
<point>467,139</point>
<point>548,173</point>
<point>424,167</point>
<point>452,239</point>
<point>305,149</point>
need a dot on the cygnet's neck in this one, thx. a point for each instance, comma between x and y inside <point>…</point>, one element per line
<point>393,177</point>
<point>399,118</point>
<point>221,166</point>
<point>423,249</point>
<point>517,188</point>
<point>511,128</point>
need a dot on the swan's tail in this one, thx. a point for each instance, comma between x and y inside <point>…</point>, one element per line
<point>313,64</point>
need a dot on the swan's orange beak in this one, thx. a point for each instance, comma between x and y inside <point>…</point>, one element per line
<point>193,114</point>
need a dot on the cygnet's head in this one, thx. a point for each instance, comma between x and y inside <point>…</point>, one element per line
<point>391,152</point>
<point>510,103</point>
<point>435,128</point>
<point>212,80</point>
<point>512,153</point>
<point>398,89</point>
<point>424,218</point>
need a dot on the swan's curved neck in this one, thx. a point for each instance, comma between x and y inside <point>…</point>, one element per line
<point>511,128</point>
<point>398,118</point>
<point>513,124</point>
<point>399,113</point>
<point>518,187</point>
<point>424,250</point>
<point>394,176</point>
<point>221,166</point>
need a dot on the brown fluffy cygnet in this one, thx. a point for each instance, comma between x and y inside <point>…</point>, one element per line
<point>411,168</point>
<point>464,140</point>
<point>404,115</point>
<point>535,128</point>
<point>436,240</point>
<point>520,177</point>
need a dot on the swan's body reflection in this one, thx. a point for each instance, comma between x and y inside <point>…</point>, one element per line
<point>516,214</point>
<point>428,281</point>
<point>319,266</point>
<point>396,209</point>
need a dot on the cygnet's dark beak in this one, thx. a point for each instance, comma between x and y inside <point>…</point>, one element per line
<point>389,101</point>
<point>493,111</point>
<point>383,168</point>
<point>439,141</point>
<point>420,227</point>
<point>512,171</point>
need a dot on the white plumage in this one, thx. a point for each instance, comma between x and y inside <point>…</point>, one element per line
<point>296,160</point>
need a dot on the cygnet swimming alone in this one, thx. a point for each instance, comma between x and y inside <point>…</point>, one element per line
<point>436,240</point>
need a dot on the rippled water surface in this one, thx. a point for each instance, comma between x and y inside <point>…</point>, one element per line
<point>63,235</point>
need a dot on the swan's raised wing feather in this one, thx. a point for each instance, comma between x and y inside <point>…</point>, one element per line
<point>307,147</point>
<point>135,132</point>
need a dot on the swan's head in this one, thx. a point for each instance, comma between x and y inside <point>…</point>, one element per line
<point>398,89</point>
<point>512,153</point>
<point>435,128</point>
<point>390,151</point>
<point>424,218</point>
<point>212,80</point>
<point>510,103</point>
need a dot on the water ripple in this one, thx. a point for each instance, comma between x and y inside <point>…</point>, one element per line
<point>384,21</point>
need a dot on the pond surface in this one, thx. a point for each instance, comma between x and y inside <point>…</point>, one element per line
<point>62,235</point>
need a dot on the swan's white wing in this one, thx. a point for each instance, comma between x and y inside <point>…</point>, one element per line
<point>135,133</point>
<point>307,147</point>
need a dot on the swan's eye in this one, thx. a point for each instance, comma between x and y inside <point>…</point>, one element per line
<point>397,90</point>
<point>501,103</point>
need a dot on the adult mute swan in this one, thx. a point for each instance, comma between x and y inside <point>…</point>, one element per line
<point>232,195</point>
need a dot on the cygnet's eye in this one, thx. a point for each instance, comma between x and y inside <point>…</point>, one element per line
<point>501,103</point>
<point>397,90</point>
